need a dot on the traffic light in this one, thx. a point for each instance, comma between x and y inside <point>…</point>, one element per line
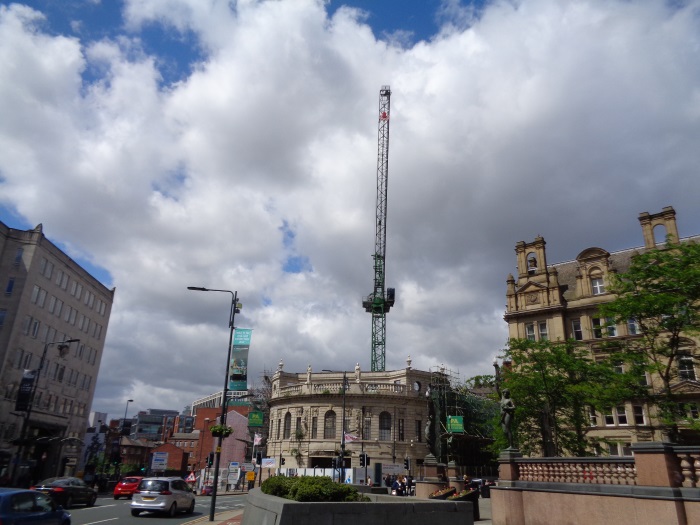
<point>364,460</point>
<point>210,459</point>
<point>282,461</point>
<point>258,458</point>
<point>407,463</point>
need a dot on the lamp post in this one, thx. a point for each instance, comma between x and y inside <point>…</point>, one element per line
<point>201,446</point>
<point>235,308</point>
<point>122,432</point>
<point>62,347</point>
<point>342,435</point>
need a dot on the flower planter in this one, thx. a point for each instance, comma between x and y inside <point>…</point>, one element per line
<point>442,493</point>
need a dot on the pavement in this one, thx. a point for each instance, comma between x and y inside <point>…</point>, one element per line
<point>235,517</point>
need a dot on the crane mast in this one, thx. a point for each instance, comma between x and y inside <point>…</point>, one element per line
<point>380,301</point>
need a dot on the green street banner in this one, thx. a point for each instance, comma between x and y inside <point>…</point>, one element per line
<point>455,424</point>
<point>255,419</point>
<point>238,368</point>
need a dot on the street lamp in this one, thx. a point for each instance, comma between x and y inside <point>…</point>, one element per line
<point>235,308</point>
<point>62,348</point>
<point>125,411</point>
<point>342,435</point>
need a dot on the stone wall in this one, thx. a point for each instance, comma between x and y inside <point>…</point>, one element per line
<point>262,509</point>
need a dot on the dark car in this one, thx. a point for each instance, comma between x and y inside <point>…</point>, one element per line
<point>127,486</point>
<point>68,491</point>
<point>21,506</point>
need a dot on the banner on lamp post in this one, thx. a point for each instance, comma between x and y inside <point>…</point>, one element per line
<point>24,394</point>
<point>238,367</point>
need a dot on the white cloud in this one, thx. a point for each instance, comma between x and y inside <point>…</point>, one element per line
<point>564,119</point>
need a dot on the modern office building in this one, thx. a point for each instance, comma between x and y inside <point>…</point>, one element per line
<point>560,301</point>
<point>46,298</point>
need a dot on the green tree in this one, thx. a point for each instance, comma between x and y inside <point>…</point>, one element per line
<point>555,385</point>
<point>659,294</point>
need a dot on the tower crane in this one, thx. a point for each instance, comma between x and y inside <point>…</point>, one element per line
<point>380,301</point>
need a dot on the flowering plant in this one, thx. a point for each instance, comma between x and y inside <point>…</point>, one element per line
<point>442,493</point>
<point>462,495</point>
<point>221,430</point>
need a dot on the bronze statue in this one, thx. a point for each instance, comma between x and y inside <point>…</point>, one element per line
<point>507,412</point>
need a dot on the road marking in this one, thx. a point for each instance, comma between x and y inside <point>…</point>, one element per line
<point>101,521</point>
<point>94,507</point>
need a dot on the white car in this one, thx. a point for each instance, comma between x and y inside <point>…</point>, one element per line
<point>168,495</point>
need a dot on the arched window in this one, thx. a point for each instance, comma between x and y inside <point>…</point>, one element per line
<point>385,426</point>
<point>597,282</point>
<point>329,425</point>
<point>287,425</point>
<point>531,263</point>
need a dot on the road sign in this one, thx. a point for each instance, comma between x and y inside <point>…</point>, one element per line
<point>160,461</point>
<point>247,467</point>
<point>191,478</point>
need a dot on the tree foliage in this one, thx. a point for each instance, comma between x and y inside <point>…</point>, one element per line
<point>661,292</point>
<point>555,385</point>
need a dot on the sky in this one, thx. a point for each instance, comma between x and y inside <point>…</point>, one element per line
<point>233,145</point>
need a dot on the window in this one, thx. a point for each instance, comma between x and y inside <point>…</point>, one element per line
<point>10,286</point>
<point>618,368</point>
<point>597,330</point>
<point>638,413</point>
<point>592,417</point>
<point>314,427</point>
<point>530,331</point>
<point>35,328</point>
<point>279,425</point>
<point>621,415</point>
<point>606,326</point>
<point>3,314</point>
<point>632,327</point>
<point>576,330</point>
<point>620,449</point>
<point>385,426</point>
<point>18,256</point>
<point>597,285</point>
<point>329,425</point>
<point>616,416</point>
<point>543,330</point>
<point>611,327</point>
<point>686,368</point>
<point>367,428</point>
<point>297,428</point>
<point>402,436</point>
<point>419,431</point>
<point>609,418</point>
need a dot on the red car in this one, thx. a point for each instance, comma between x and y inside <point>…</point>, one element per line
<point>127,487</point>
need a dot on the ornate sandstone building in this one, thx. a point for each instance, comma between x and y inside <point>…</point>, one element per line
<point>560,301</point>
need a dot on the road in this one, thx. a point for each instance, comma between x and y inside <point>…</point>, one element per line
<point>108,511</point>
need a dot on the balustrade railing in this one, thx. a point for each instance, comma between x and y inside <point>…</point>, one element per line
<point>689,458</point>
<point>607,471</point>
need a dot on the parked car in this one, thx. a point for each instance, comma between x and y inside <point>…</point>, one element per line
<point>127,486</point>
<point>169,495</point>
<point>67,491</point>
<point>28,506</point>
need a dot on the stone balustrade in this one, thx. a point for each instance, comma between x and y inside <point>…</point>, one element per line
<point>689,459</point>
<point>336,388</point>
<point>608,471</point>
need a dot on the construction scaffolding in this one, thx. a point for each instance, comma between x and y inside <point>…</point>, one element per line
<point>461,424</point>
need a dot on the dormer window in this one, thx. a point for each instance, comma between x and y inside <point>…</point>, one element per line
<point>597,285</point>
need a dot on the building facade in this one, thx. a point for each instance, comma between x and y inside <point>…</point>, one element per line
<point>47,298</point>
<point>560,301</point>
<point>383,415</point>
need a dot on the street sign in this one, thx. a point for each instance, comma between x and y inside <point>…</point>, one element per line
<point>159,462</point>
<point>247,467</point>
<point>191,478</point>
